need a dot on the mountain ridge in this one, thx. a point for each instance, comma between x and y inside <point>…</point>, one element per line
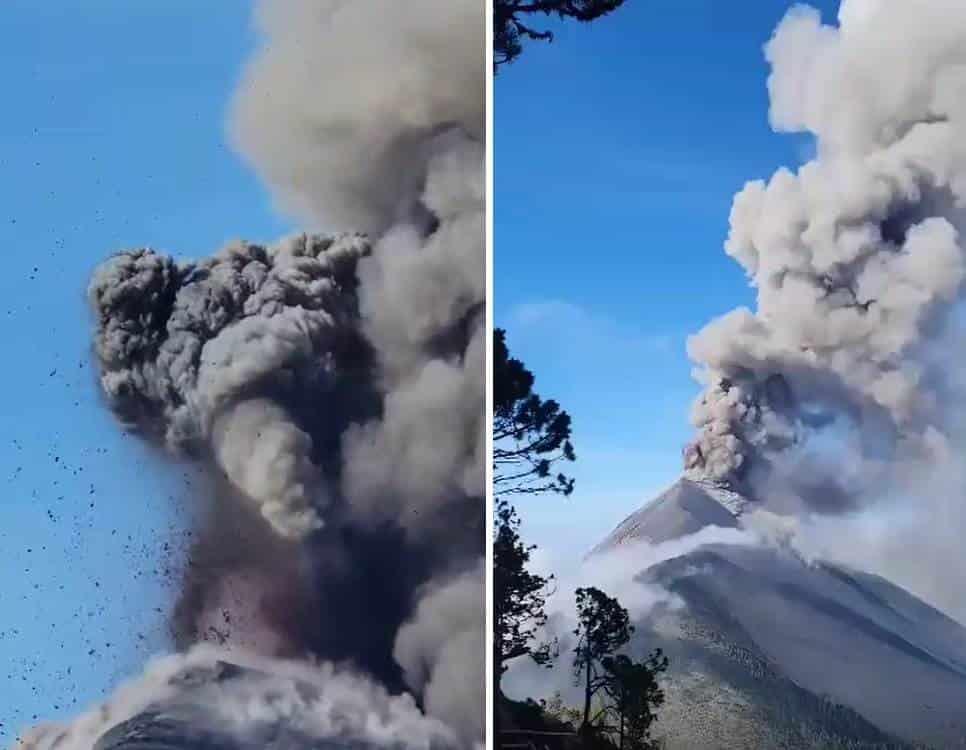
<point>770,651</point>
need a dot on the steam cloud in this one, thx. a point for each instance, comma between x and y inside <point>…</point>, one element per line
<point>846,367</point>
<point>333,382</point>
<point>312,702</point>
<point>617,572</point>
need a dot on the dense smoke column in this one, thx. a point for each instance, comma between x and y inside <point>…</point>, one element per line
<point>268,391</point>
<point>333,384</point>
<point>251,360</point>
<point>857,259</point>
<point>393,144</point>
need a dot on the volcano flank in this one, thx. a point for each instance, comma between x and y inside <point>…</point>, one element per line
<point>772,651</point>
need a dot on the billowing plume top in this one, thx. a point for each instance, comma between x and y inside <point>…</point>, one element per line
<point>195,350</point>
<point>857,257</point>
<point>336,109</point>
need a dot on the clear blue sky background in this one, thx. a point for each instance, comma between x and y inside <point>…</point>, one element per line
<point>618,149</point>
<point>111,136</point>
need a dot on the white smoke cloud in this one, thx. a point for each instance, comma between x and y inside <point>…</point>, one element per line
<point>310,702</point>
<point>618,572</point>
<point>853,13</point>
<point>912,536</point>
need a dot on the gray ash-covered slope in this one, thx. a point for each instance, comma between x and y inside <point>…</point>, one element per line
<point>183,722</point>
<point>168,730</point>
<point>772,652</point>
<point>685,508</point>
<point>164,730</point>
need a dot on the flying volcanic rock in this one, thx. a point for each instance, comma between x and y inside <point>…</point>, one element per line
<point>329,385</point>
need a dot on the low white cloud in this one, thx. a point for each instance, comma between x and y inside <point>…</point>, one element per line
<point>618,573</point>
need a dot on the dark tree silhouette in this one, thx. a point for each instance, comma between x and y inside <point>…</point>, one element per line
<point>512,24</point>
<point>530,435</point>
<point>635,694</point>
<point>603,626</point>
<point>519,596</point>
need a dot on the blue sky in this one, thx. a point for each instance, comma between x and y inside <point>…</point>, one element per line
<point>618,149</point>
<point>112,136</point>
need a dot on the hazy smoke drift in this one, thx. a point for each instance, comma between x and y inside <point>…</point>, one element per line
<point>334,382</point>
<point>848,366</point>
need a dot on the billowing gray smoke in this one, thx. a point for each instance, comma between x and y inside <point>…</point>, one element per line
<point>198,352</point>
<point>848,366</point>
<point>333,383</point>
<point>840,399</point>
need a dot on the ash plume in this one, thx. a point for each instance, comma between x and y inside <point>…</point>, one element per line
<point>337,111</point>
<point>332,383</point>
<point>440,643</point>
<point>196,352</point>
<point>846,373</point>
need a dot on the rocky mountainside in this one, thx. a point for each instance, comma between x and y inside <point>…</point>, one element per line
<point>684,508</point>
<point>773,652</point>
